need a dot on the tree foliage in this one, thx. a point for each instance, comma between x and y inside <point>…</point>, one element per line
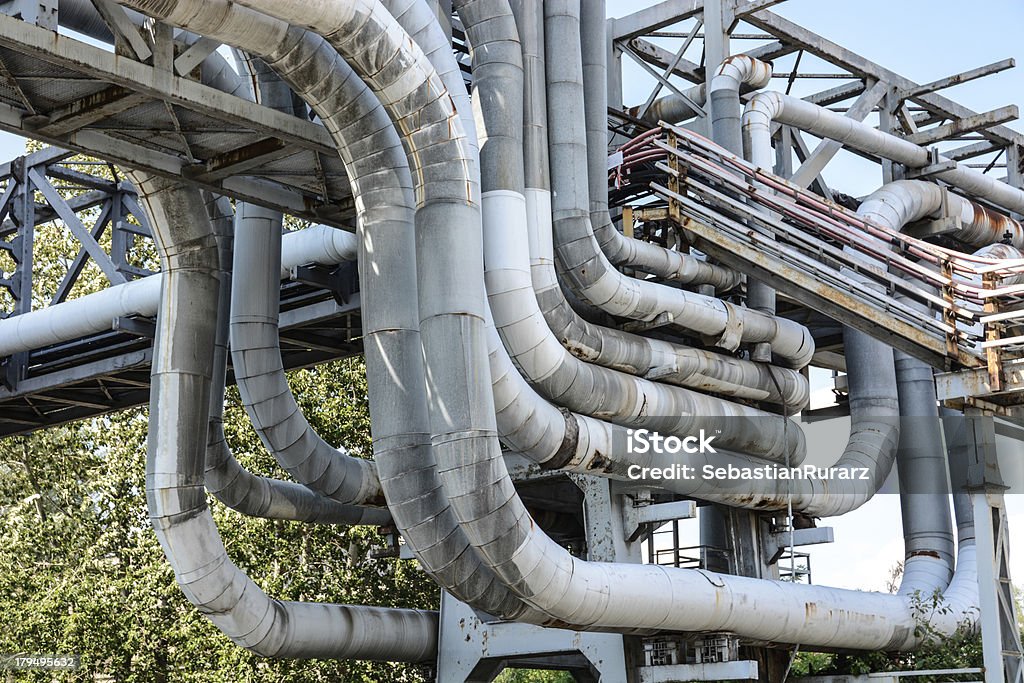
<point>81,572</point>
<point>533,676</point>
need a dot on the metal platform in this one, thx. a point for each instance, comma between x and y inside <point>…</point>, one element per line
<point>154,117</point>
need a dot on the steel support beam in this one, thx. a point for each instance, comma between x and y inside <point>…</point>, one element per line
<point>827,149</point>
<point>969,124</point>
<point>88,110</point>
<point>652,18</point>
<point>836,54</point>
<point>150,82</point>
<point>959,78</point>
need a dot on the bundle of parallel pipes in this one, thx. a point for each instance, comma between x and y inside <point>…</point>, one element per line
<point>933,288</point>
<point>486,253</point>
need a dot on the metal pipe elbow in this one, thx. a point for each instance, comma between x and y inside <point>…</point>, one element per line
<point>901,202</point>
<point>761,110</point>
<point>740,70</point>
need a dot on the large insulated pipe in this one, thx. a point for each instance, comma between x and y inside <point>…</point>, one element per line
<point>587,269</point>
<point>726,108</point>
<point>924,484</point>
<point>905,201</point>
<point>379,175</point>
<point>622,250</point>
<point>727,131</point>
<point>179,413</point>
<point>486,28</point>
<point>256,352</point>
<point>226,478</point>
<point>419,20</point>
<point>252,495</point>
<point>921,461</point>
<point>766,107</point>
<point>259,371</point>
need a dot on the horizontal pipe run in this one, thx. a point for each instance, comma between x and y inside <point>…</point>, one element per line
<point>95,313</point>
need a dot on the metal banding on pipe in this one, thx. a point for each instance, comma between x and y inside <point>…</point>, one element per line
<point>496,323</point>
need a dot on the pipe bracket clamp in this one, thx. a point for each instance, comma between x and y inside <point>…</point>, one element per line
<point>732,335</point>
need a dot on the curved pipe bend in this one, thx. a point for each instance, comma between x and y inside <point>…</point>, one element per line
<point>225,478</point>
<point>743,69</point>
<point>259,371</point>
<point>180,395</point>
<point>587,270</point>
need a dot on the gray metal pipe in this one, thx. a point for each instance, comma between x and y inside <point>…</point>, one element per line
<point>905,201</point>
<point>256,355</point>
<point>419,20</point>
<point>921,460</point>
<point>587,269</point>
<point>726,130</point>
<point>487,28</point>
<point>766,107</point>
<point>256,352</point>
<point>924,484</point>
<point>674,109</point>
<point>225,478</point>
<point>179,411</point>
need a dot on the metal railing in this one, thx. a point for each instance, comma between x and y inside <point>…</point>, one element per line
<point>948,308</point>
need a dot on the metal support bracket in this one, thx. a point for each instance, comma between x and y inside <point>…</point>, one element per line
<point>340,281</point>
<point>775,544</point>
<point>637,517</point>
<point>140,327</point>
<point>935,165</point>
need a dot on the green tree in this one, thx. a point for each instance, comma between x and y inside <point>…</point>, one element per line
<point>81,571</point>
<point>533,676</point>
